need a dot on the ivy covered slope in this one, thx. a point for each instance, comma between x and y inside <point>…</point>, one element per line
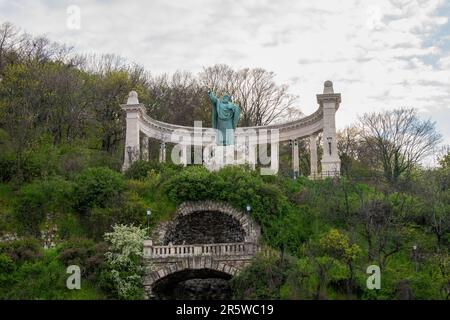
<point>319,237</point>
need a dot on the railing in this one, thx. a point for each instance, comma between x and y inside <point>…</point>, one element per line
<point>215,249</point>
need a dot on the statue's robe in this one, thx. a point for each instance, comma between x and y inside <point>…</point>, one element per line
<point>225,117</point>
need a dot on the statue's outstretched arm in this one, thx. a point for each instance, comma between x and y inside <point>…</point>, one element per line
<point>212,97</point>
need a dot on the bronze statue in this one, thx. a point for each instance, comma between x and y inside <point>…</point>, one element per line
<point>225,117</point>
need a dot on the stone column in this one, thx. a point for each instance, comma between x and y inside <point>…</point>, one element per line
<point>313,155</point>
<point>133,110</point>
<point>162,152</point>
<point>185,154</point>
<point>274,140</point>
<point>295,158</point>
<point>145,148</point>
<point>274,154</point>
<point>329,102</point>
<point>252,155</point>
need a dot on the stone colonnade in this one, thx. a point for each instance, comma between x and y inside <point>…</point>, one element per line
<point>140,127</point>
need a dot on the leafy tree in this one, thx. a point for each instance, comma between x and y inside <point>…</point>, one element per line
<point>338,246</point>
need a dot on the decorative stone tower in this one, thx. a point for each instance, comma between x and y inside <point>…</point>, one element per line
<point>329,102</point>
<point>132,142</point>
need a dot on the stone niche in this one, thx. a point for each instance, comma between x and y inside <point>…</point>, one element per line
<point>204,227</point>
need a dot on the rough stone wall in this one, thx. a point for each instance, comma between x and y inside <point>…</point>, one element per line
<point>204,227</point>
<point>166,231</point>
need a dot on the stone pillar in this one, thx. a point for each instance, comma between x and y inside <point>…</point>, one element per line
<point>313,155</point>
<point>145,148</point>
<point>162,152</point>
<point>252,155</point>
<point>274,154</point>
<point>133,110</point>
<point>329,102</point>
<point>184,155</point>
<point>295,158</point>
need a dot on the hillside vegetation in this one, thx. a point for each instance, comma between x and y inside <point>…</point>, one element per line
<point>64,200</point>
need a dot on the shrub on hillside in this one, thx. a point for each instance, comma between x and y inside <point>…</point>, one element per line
<point>262,279</point>
<point>140,169</point>
<point>85,253</point>
<point>97,187</point>
<point>29,210</point>
<point>7,163</point>
<point>34,201</point>
<point>20,251</point>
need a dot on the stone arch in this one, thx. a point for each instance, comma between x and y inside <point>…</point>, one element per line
<point>250,228</point>
<point>169,262</point>
<point>194,263</point>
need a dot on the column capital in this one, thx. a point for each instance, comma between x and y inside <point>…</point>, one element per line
<point>133,108</point>
<point>133,104</point>
<point>328,95</point>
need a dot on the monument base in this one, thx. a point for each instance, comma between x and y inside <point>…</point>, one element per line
<point>218,157</point>
<point>331,168</point>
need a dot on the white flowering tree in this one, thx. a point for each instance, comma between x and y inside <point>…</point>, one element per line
<point>124,260</point>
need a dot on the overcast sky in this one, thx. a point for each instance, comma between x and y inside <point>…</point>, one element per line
<point>379,54</point>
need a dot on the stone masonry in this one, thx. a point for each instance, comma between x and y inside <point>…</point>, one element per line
<point>166,259</point>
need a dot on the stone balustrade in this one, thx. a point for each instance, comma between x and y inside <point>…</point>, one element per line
<point>216,249</point>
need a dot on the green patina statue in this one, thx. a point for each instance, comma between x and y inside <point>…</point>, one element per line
<point>225,117</point>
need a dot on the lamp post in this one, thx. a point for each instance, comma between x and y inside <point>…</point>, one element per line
<point>149,213</point>
<point>248,208</point>
<point>415,256</point>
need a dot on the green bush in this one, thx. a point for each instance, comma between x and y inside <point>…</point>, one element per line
<point>262,279</point>
<point>100,220</point>
<point>29,210</point>
<point>41,279</point>
<point>39,160</point>
<point>7,269</point>
<point>34,201</point>
<point>85,253</point>
<point>21,251</point>
<point>97,187</point>
<point>140,169</point>
<point>7,163</point>
<point>69,226</point>
<point>131,210</point>
<point>72,160</point>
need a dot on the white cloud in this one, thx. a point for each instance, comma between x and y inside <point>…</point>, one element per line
<point>375,51</point>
